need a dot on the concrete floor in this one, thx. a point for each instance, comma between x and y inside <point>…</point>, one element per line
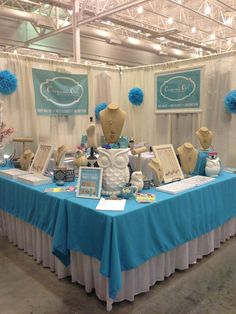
<point>207,287</point>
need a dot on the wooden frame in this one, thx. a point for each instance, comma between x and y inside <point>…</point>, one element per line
<point>89,182</point>
<point>41,158</point>
<point>165,154</point>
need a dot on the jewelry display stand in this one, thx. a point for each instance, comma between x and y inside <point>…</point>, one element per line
<point>38,166</point>
<point>166,156</point>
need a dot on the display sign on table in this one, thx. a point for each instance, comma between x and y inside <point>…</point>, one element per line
<point>178,90</point>
<point>89,182</point>
<point>60,93</point>
<point>166,157</point>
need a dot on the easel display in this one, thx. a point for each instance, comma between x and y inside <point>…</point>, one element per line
<point>166,156</point>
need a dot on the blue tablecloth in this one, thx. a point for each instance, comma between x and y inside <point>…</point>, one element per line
<point>31,204</point>
<point>121,240</point>
<point>124,240</point>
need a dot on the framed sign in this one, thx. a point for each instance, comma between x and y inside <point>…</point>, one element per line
<point>41,158</point>
<point>89,182</point>
<point>178,91</point>
<point>165,154</point>
<point>59,93</point>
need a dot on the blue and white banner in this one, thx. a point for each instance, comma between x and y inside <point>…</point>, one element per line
<point>60,93</point>
<point>179,90</point>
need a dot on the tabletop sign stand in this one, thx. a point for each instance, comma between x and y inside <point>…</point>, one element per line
<point>36,171</point>
<point>165,154</point>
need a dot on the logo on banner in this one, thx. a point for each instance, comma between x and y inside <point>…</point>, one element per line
<point>61,91</point>
<point>177,88</point>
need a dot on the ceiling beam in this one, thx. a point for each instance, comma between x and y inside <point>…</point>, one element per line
<point>111,11</point>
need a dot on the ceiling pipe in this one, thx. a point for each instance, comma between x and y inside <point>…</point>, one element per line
<point>34,18</point>
<point>140,44</point>
<point>109,37</point>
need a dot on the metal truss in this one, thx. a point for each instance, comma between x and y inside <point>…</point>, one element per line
<point>196,27</point>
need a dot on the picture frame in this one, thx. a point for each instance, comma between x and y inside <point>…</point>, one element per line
<point>179,91</point>
<point>89,182</point>
<point>41,158</point>
<point>166,156</point>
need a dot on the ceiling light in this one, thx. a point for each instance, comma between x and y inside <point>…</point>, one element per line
<point>102,33</point>
<point>140,10</point>
<point>178,52</point>
<point>147,34</point>
<point>157,46</point>
<point>162,38</point>
<point>229,21</point>
<point>193,29</point>
<point>207,10</point>
<point>212,36</point>
<point>170,20</point>
<point>133,41</point>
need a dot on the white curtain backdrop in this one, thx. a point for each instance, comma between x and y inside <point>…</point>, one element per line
<point>19,108</point>
<point>142,122</point>
<point>218,79</point>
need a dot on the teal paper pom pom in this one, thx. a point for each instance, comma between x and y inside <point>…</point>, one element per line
<point>230,101</point>
<point>136,96</point>
<point>8,82</point>
<point>99,108</point>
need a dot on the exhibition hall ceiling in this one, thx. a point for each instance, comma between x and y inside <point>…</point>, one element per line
<point>146,30</point>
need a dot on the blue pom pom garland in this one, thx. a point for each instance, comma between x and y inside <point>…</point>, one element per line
<point>8,82</point>
<point>230,101</point>
<point>136,96</point>
<point>99,108</point>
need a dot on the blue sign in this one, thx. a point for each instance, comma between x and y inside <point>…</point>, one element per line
<point>89,182</point>
<point>179,90</point>
<point>60,93</point>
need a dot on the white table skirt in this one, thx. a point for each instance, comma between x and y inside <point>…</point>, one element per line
<point>85,269</point>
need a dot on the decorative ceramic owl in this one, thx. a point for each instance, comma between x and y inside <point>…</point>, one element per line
<point>115,171</point>
<point>213,167</point>
<point>137,180</point>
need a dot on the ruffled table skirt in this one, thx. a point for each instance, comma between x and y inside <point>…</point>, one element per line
<point>85,269</point>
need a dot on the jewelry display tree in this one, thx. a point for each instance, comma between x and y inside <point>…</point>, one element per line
<point>113,161</point>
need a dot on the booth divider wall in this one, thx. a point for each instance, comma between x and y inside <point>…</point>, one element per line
<point>142,122</point>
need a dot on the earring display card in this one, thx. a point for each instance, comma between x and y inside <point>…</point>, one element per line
<point>165,154</point>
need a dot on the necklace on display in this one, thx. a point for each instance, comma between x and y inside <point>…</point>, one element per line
<point>204,135</point>
<point>189,152</point>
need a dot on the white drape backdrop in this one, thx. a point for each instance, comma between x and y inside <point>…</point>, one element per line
<point>145,125</point>
<point>19,108</point>
<point>142,122</point>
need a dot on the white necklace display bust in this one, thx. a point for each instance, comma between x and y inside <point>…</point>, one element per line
<point>205,137</point>
<point>188,157</point>
<point>112,121</point>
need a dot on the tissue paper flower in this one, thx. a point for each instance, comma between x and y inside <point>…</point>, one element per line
<point>136,96</point>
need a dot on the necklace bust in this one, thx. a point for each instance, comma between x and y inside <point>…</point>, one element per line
<point>188,157</point>
<point>112,120</point>
<point>205,137</point>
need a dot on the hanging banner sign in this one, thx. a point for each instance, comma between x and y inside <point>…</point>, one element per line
<point>60,93</point>
<point>179,90</point>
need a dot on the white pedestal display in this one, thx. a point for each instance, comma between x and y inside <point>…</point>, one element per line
<point>115,169</point>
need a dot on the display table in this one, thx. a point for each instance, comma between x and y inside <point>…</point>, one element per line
<point>111,248</point>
